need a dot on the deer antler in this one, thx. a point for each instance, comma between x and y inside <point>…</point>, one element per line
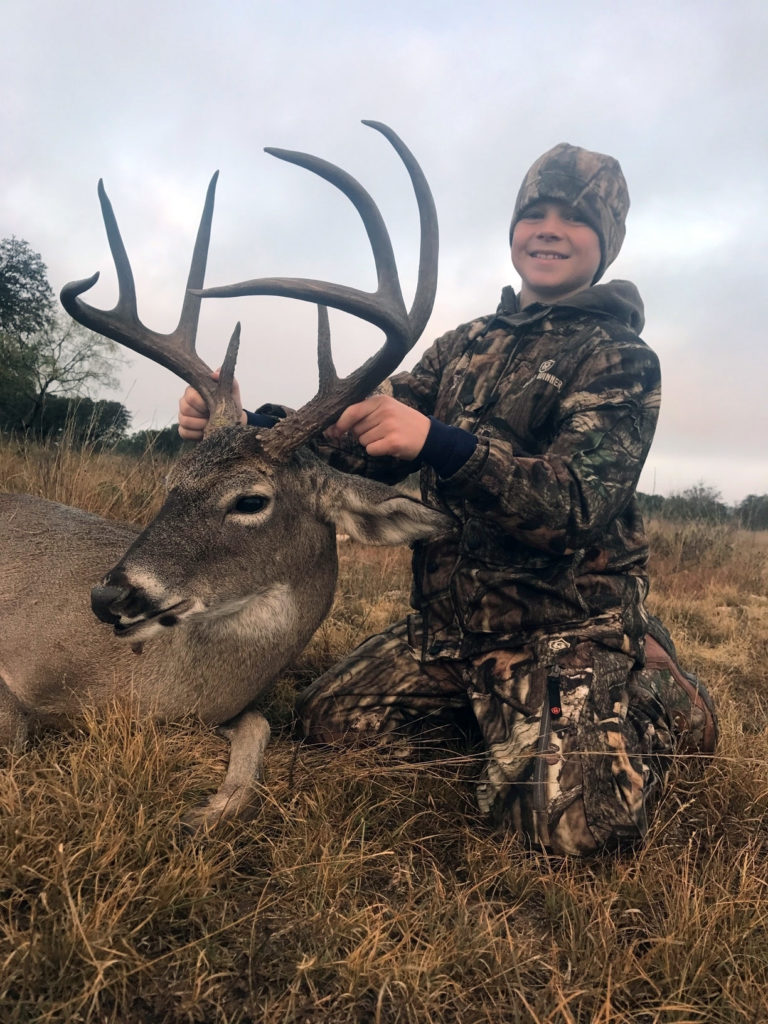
<point>175,351</point>
<point>384,307</point>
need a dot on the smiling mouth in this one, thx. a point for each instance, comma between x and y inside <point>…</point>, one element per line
<point>548,256</point>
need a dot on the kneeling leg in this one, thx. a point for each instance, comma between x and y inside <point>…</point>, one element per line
<point>567,768</point>
<point>381,688</point>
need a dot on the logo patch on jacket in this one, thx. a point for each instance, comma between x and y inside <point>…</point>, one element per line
<point>546,376</point>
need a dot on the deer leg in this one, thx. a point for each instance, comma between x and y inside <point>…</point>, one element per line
<point>14,721</point>
<point>248,735</point>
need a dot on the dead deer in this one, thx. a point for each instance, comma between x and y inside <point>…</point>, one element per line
<point>238,569</point>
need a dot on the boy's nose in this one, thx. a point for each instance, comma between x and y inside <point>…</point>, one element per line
<point>549,227</point>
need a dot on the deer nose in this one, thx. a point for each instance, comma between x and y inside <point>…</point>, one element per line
<point>106,597</point>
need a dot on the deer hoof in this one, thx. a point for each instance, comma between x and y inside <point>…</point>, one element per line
<point>221,807</point>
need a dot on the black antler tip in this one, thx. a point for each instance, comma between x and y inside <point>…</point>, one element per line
<point>74,288</point>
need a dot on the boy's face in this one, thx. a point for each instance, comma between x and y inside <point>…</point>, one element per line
<point>554,251</point>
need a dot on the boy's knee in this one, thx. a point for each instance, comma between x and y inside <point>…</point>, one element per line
<point>563,835</point>
<point>326,718</point>
<point>316,718</point>
<point>570,834</point>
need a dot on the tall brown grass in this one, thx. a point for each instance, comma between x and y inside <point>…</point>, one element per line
<point>116,486</point>
<point>368,889</point>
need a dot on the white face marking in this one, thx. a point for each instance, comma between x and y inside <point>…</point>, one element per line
<point>174,613</point>
<point>153,587</point>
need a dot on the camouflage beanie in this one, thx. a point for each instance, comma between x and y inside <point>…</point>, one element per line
<point>591,183</point>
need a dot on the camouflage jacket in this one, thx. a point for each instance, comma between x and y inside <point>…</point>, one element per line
<point>564,401</point>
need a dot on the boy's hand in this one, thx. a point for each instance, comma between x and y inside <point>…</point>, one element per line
<point>193,412</point>
<point>383,426</point>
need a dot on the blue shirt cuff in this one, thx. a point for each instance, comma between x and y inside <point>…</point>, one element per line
<point>259,419</point>
<point>446,448</point>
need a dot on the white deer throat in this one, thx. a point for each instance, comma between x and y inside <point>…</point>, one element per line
<point>268,612</point>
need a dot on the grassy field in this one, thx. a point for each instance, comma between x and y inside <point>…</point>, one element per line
<point>367,889</point>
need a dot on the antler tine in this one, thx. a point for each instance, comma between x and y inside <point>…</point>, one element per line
<point>426,286</point>
<point>222,409</point>
<point>384,308</point>
<point>175,351</point>
<point>327,371</point>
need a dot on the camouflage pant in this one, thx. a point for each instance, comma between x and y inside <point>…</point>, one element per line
<point>576,742</point>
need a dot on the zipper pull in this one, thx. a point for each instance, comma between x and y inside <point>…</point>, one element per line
<point>553,693</point>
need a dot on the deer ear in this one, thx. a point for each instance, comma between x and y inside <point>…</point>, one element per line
<point>373,513</point>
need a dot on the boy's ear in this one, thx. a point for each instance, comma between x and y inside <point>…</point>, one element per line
<point>374,513</point>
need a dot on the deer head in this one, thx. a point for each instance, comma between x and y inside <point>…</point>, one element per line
<point>253,498</point>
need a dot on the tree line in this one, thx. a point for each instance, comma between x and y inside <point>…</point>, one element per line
<point>49,365</point>
<point>703,503</point>
<point>52,368</point>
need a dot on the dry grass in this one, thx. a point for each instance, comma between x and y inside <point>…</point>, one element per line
<point>116,486</point>
<point>369,890</point>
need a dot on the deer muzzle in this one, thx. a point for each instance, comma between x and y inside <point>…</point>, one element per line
<point>106,602</point>
<point>130,608</point>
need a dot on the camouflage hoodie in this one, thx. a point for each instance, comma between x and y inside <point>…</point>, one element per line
<point>564,400</point>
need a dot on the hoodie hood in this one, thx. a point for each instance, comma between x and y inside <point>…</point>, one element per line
<point>619,299</point>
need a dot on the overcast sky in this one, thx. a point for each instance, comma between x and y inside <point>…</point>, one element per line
<point>155,96</point>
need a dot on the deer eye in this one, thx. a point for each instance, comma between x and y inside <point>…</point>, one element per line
<point>250,503</point>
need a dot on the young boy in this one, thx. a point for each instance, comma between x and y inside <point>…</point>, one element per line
<point>530,426</point>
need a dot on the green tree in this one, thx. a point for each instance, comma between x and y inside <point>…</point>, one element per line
<point>651,505</point>
<point>26,297</point>
<point>43,352</point>
<point>161,442</point>
<point>753,512</point>
<point>16,384</point>
<point>66,360</point>
<point>83,421</point>
<point>701,502</point>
